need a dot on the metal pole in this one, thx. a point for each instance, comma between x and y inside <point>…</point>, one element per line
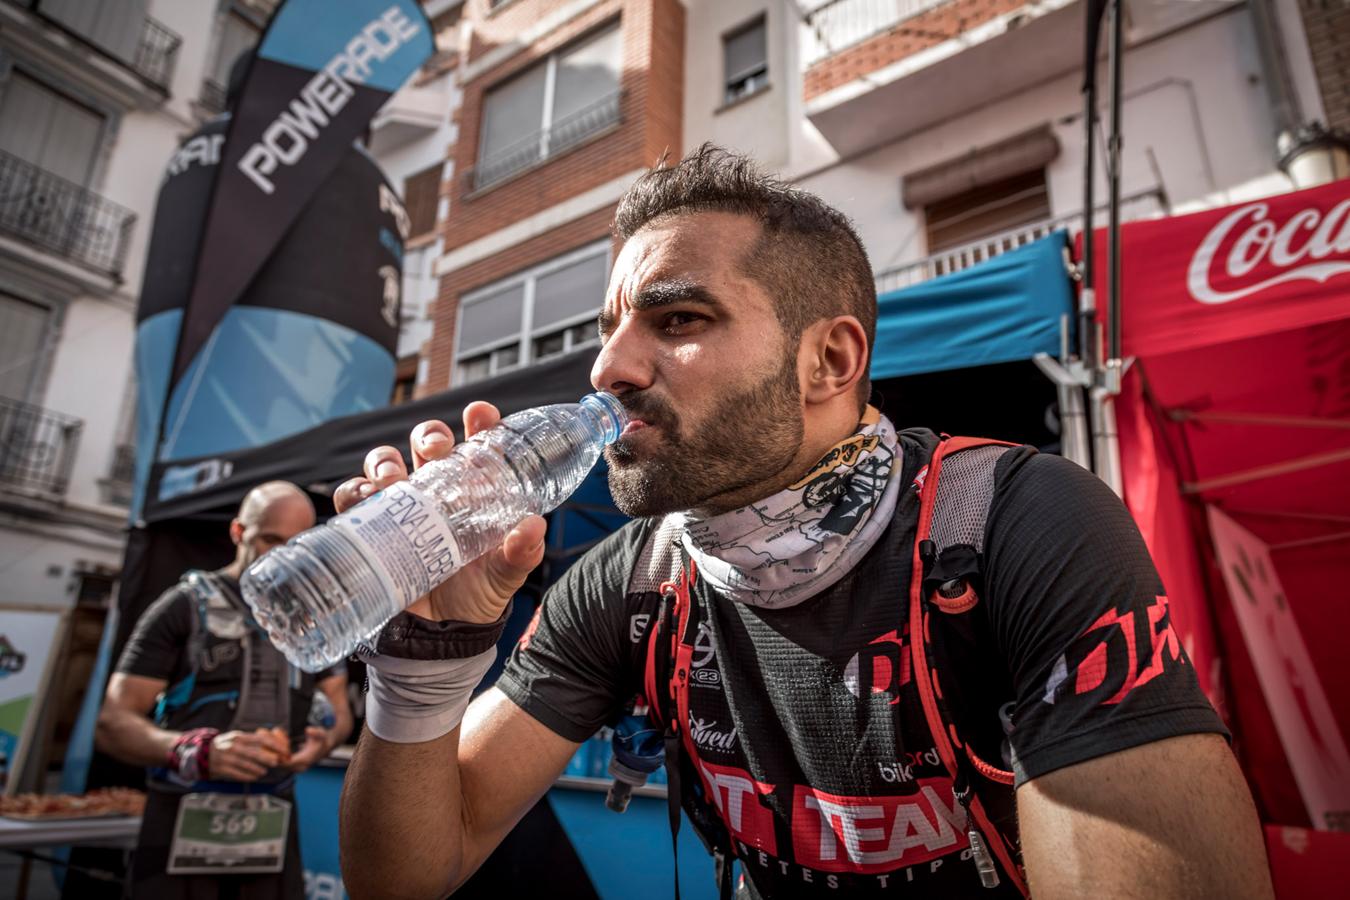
<point>1088,303</point>
<point>1114,147</point>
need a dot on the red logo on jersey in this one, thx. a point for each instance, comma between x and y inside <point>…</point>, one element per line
<point>881,667</point>
<point>736,796</point>
<point>1109,653</point>
<point>876,834</point>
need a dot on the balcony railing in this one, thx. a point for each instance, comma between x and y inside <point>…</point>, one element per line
<point>156,53</point>
<point>1135,206</point>
<point>62,217</point>
<point>839,24</point>
<point>153,57</point>
<point>37,447</point>
<point>212,96</point>
<point>565,133</point>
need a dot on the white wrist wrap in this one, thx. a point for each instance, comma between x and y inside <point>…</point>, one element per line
<point>415,700</point>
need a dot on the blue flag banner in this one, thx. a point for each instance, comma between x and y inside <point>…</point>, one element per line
<point>321,71</point>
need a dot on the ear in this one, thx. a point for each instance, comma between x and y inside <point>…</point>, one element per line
<point>834,353</point>
<point>236,531</point>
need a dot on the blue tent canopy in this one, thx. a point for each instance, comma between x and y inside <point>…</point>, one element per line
<point>1002,310</point>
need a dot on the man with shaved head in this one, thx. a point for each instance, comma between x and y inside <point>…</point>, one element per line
<point>212,710</point>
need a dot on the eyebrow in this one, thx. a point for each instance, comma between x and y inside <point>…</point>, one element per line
<point>665,292</point>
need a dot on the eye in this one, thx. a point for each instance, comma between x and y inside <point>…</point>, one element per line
<point>679,321</point>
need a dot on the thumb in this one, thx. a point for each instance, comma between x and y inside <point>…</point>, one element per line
<point>315,732</point>
<point>523,549</point>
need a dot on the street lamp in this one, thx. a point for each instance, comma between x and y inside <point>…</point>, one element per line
<point>1314,154</point>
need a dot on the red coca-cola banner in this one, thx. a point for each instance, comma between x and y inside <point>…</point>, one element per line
<point>1236,272</point>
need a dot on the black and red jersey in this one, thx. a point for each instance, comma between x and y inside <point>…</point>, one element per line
<point>810,745</point>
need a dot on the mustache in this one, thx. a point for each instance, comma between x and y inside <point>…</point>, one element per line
<point>650,408</point>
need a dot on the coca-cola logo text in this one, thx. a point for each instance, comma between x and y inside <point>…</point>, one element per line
<point>1247,251</point>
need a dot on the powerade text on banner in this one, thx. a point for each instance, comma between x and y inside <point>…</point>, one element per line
<point>311,339</point>
<point>288,316</point>
<point>320,72</point>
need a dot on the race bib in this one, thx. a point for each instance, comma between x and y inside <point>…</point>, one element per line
<point>220,834</point>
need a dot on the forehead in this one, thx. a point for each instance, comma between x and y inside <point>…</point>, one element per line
<point>705,248</point>
<point>286,513</point>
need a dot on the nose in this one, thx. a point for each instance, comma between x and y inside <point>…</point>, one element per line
<point>623,364</point>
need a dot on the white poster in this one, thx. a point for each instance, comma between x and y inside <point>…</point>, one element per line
<point>28,638</point>
<point>1303,717</point>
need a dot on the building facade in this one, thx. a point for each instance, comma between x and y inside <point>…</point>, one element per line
<point>562,105</point>
<point>948,130</point>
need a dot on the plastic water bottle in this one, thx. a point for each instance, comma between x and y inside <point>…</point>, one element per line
<point>333,587</point>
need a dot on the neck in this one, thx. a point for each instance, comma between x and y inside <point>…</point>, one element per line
<point>820,433</point>
<point>234,570</point>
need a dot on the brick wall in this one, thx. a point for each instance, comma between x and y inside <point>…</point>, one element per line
<point>914,34</point>
<point>575,234</point>
<point>652,85</point>
<point>1327,23</point>
<point>652,81</point>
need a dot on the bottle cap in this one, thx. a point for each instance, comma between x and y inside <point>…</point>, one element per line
<point>613,417</point>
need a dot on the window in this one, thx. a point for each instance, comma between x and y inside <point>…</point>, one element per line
<point>405,380</point>
<point>48,129</point>
<point>529,317</point>
<point>23,337</point>
<point>550,107</point>
<point>114,25</point>
<point>421,195</point>
<point>989,209</point>
<point>238,34</point>
<point>745,61</point>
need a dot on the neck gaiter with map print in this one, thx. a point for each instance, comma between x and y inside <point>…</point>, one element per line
<point>792,545</point>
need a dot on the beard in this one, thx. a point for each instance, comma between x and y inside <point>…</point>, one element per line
<point>747,437</point>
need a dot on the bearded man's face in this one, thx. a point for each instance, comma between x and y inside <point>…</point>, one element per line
<point>695,350</point>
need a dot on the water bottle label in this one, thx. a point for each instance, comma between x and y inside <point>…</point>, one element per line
<point>405,538</point>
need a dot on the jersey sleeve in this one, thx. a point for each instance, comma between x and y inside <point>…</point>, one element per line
<point>579,662</point>
<point>1082,619</point>
<point>160,638</point>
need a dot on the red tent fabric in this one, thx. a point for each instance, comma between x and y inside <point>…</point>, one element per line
<point>1240,321</point>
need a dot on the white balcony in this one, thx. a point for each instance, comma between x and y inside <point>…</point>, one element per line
<point>1143,205</point>
<point>124,57</point>
<point>412,113</point>
<point>904,90</point>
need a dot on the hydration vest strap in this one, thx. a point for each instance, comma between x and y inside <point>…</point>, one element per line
<point>255,709</point>
<point>940,724</point>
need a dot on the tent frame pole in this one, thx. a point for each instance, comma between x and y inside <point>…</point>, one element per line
<point>1278,421</point>
<point>1070,377</point>
<point>1109,368</point>
<point>1301,464</point>
<point>1312,541</point>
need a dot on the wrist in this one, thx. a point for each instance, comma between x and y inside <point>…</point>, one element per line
<point>190,756</point>
<point>410,636</point>
<point>415,700</point>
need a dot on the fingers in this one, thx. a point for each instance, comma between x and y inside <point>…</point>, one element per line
<point>430,440</point>
<point>239,769</point>
<point>351,492</point>
<point>384,466</point>
<point>479,416</point>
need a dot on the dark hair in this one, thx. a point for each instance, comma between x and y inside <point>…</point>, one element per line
<point>808,256</point>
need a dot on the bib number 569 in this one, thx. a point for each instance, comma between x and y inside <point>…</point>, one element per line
<point>233,824</point>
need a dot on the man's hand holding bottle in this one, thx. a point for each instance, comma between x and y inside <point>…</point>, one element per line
<point>479,592</point>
